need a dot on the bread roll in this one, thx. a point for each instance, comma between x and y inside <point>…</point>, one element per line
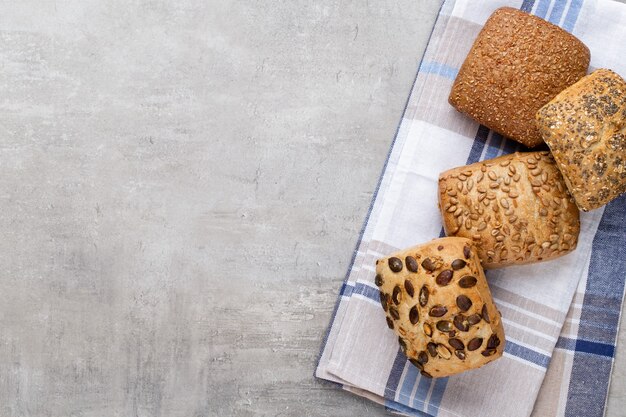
<point>437,301</point>
<point>516,65</point>
<point>585,127</point>
<point>515,208</point>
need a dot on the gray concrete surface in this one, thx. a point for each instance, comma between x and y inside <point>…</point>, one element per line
<point>181,185</point>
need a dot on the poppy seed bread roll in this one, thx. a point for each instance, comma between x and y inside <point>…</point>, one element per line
<point>517,64</point>
<point>515,208</point>
<point>585,127</point>
<point>437,301</point>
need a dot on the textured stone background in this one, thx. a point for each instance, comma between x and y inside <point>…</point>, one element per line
<point>181,187</point>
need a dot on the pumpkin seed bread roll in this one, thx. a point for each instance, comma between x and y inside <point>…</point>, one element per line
<point>437,301</point>
<point>515,208</point>
<point>585,127</point>
<point>517,64</point>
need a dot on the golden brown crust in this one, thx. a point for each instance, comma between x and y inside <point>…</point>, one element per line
<point>585,127</point>
<point>455,327</point>
<point>517,64</point>
<point>515,208</point>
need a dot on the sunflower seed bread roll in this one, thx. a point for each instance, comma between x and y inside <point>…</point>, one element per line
<point>517,64</point>
<point>585,127</point>
<point>437,301</point>
<point>515,208</point>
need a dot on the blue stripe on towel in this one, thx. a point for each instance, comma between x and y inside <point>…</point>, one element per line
<point>586,346</point>
<point>566,343</point>
<point>542,8</point>
<point>493,148</point>
<point>367,291</point>
<point>572,15</point>
<point>395,375</point>
<point>557,12</point>
<point>437,395</point>
<point>527,354</point>
<point>588,399</point>
<point>527,6</point>
<point>594,350</point>
<point>423,387</point>
<point>510,146</point>
<point>412,373</point>
<point>438,68</point>
<point>401,408</point>
<point>479,144</point>
<point>346,290</point>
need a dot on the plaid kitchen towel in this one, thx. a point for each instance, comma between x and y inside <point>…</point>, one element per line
<point>561,317</point>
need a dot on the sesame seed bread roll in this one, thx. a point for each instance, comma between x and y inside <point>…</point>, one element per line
<point>517,64</point>
<point>515,208</point>
<point>585,127</point>
<point>437,301</point>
